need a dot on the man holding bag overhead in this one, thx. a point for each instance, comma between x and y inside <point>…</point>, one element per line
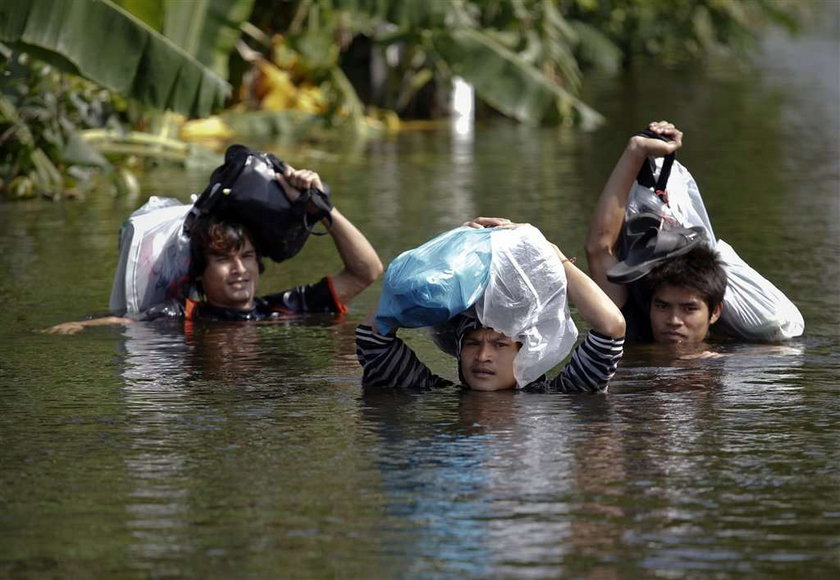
<point>505,339</point>
<point>651,248</point>
<point>226,262</point>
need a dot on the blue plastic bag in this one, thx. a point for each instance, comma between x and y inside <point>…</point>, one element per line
<point>430,284</point>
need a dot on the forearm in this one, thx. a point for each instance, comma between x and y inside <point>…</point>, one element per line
<point>76,327</point>
<point>606,223</point>
<point>388,362</point>
<point>593,304</point>
<point>592,366</point>
<point>108,321</point>
<point>361,262</point>
<point>608,219</point>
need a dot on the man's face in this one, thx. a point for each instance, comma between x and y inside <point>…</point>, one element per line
<point>680,315</point>
<point>230,280</point>
<point>487,360</point>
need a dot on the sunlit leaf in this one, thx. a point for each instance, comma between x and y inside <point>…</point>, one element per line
<point>103,43</point>
<point>206,29</point>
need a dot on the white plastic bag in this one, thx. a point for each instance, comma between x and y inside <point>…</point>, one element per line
<point>154,257</point>
<point>685,205</point>
<point>526,300</point>
<point>753,308</point>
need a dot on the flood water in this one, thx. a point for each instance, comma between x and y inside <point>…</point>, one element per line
<point>252,451</point>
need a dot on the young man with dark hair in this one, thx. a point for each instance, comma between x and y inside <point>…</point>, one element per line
<point>686,296</point>
<point>225,267</point>
<point>681,297</point>
<point>486,356</point>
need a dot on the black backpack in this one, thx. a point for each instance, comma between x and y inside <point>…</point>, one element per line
<point>245,190</point>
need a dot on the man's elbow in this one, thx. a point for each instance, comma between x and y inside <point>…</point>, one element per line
<point>614,326</point>
<point>597,247</point>
<point>373,269</point>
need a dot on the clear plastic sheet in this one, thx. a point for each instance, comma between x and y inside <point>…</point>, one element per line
<point>685,205</point>
<point>526,299</point>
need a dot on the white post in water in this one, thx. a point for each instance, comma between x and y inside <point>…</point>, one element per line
<point>462,107</point>
<point>460,180</point>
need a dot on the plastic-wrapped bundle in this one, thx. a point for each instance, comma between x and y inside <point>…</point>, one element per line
<point>685,206</point>
<point>154,257</point>
<point>511,277</point>
<point>753,308</point>
<point>430,284</point>
<point>526,300</point>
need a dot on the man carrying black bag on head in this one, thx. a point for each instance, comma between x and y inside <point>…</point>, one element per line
<point>255,206</point>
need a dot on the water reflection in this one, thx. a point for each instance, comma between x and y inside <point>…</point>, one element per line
<point>553,482</point>
<point>253,451</point>
<point>202,399</point>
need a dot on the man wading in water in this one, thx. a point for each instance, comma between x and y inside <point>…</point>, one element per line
<point>226,268</point>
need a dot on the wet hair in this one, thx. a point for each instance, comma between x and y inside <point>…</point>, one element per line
<point>465,324</point>
<point>213,235</point>
<point>700,270</point>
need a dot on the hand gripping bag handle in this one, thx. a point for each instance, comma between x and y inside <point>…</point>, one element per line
<point>645,176</point>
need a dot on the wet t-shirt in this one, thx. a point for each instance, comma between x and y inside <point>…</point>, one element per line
<point>318,297</point>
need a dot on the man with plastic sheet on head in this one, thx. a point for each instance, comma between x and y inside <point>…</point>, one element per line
<point>255,205</point>
<point>652,249</point>
<point>497,295</point>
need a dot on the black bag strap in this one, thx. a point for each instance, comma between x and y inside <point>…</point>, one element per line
<point>221,178</point>
<point>311,197</point>
<point>323,206</point>
<point>645,175</point>
<point>226,174</point>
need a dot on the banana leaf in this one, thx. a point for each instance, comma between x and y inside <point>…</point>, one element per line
<point>206,29</point>
<point>507,82</point>
<point>100,41</point>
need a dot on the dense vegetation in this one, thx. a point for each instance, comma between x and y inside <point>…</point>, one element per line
<point>71,69</point>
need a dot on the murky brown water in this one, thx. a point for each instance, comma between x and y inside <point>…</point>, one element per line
<point>253,452</point>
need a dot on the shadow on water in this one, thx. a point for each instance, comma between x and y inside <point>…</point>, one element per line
<point>231,451</point>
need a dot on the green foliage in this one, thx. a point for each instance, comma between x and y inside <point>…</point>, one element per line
<point>524,57</point>
<point>101,42</point>
<point>40,112</point>
<point>677,31</point>
<point>206,29</point>
<point>504,48</point>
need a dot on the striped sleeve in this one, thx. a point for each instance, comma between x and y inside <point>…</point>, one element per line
<point>593,364</point>
<point>388,362</point>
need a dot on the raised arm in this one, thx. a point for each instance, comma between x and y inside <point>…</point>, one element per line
<point>361,262</point>
<point>594,305</point>
<point>608,219</point>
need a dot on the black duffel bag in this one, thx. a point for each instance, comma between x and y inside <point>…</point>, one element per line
<point>245,190</point>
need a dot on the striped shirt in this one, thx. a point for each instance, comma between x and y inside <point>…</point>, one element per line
<point>388,362</point>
